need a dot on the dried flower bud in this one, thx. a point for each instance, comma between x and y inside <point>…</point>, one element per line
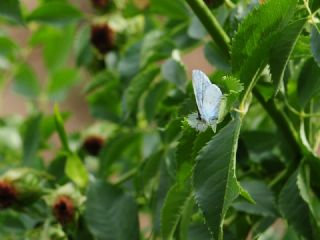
<point>100,3</point>
<point>93,144</point>
<point>262,1</point>
<point>214,3</point>
<point>63,209</point>
<point>8,194</point>
<point>102,37</point>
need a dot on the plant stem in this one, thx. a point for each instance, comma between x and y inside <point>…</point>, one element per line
<point>211,24</point>
<point>283,124</point>
<point>229,4</point>
<point>125,177</point>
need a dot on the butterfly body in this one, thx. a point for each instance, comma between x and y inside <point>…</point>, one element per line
<point>208,96</point>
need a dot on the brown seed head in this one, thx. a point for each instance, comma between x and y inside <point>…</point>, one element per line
<point>93,144</point>
<point>63,209</point>
<point>100,3</point>
<point>102,37</point>
<point>8,194</point>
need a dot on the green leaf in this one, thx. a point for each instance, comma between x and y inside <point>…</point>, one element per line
<point>307,194</point>
<point>315,5</point>
<point>48,37</point>
<point>199,231</point>
<point>156,46</point>
<point>294,209</point>
<point>162,187</point>
<point>214,178</point>
<point>261,226</point>
<point>151,142</point>
<point>216,57</point>
<point>10,10</point>
<point>26,82</point>
<point>76,170</point>
<point>302,48</point>
<point>282,49</point>
<point>47,127</point>
<point>171,131</point>
<point>175,203</point>
<point>8,52</point>
<point>175,72</point>
<point>181,39</point>
<point>129,62</point>
<point>137,87</point>
<point>154,99</point>
<point>60,129</point>
<point>202,139</point>
<point>263,197</point>
<point>228,83</point>
<point>110,213</point>
<point>150,167</point>
<point>116,148</point>
<point>315,44</point>
<point>61,82</point>
<point>260,141</point>
<point>54,57</point>
<point>99,80</point>
<point>185,146</point>
<point>55,167</point>
<point>104,102</point>
<point>308,82</point>
<point>186,217</point>
<point>290,234</point>
<point>196,30</point>
<point>231,88</point>
<point>173,9</point>
<point>55,12</point>
<point>82,48</point>
<point>31,140</point>
<point>255,37</point>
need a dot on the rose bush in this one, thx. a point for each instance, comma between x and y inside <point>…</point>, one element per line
<point>141,169</point>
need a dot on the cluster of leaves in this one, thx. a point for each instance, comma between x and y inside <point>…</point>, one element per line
<point>140,161</point>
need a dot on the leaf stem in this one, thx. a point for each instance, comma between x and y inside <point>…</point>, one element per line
<point>229,4</point>
<point>211,24</point>
<point>125,177</point>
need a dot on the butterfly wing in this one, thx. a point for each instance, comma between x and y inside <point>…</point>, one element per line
<point>211,102</point>
<point>200,83</point>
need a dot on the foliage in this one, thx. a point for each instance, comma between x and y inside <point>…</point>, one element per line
<point>139,170</point>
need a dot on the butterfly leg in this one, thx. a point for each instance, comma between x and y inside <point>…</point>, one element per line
<point>199,115</point>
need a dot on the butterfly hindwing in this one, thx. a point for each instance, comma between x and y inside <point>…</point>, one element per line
<point>211,102</point>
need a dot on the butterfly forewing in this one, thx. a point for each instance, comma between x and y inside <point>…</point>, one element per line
<point>200,82</point>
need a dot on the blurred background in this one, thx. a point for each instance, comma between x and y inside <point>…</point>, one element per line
<point>12,103</point>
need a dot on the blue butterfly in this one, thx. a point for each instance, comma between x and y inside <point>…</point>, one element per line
<point>208,97</point>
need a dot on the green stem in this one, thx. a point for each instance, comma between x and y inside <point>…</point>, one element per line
<point>211,24</point>
<point>127,176</point>
<point>229,4</point>
<point>283,124</point>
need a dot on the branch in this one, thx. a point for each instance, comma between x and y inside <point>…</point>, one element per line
<point>211,24</point>
<point>127,176</point>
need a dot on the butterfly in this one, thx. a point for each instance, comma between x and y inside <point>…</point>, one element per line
<point>208,98</point>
